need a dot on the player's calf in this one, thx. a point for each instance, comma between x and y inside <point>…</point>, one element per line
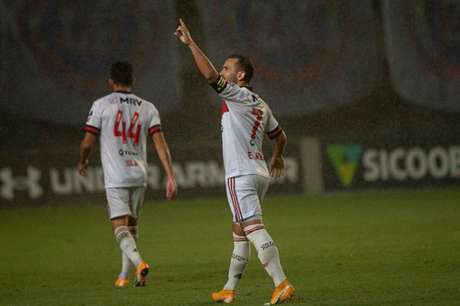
<point>238,262</point>
<point>126,264</point>
<point>266,250</point>
<point>127,244</point>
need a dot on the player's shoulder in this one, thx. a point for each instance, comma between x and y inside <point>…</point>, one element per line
<point>253,98</point>
<point>146,103</point>
<point>147,106</point>
<point>248,90</point>
<point>109,98</point>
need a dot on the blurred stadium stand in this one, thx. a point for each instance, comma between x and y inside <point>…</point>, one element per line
<point>382,74</point>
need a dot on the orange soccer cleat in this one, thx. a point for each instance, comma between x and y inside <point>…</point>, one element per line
<point>141,274</point>
<point>282,293</point>
<point>121,282</point>
<point>226,296</point>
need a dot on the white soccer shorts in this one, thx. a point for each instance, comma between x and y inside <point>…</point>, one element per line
<point>245,193</point>
<point>125,201</point>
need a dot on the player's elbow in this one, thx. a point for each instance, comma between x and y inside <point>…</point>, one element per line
<point>282,137</point>
<point>86,145</point>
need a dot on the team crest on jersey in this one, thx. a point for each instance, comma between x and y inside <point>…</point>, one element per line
<point>75,42</point>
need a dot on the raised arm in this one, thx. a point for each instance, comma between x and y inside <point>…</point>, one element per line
<point>162,149</point>
<point>277,163</point>
<point>204,65</point>
<point>85,149</point>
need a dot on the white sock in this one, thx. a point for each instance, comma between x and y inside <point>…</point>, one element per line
<point>267,251</point>
<point>128,244</point>
<point>240,258</point>
<point>126,264</point>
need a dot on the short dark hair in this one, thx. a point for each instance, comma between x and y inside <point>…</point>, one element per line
<point>246,65</point>
<point>122,73</point>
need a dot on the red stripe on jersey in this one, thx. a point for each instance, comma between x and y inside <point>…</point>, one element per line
<point>275,132</point>
<point>91,129</point>
<point>223,108</point>
<point>155,129</point>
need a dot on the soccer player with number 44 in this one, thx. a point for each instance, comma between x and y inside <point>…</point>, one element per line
<point>245,120</point>
<point>123,122</point>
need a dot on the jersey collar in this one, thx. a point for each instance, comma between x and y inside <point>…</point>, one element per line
<point>124,92</point>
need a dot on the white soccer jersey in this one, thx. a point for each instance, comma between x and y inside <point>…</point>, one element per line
<point>123,121</point>
<point>245,120</point>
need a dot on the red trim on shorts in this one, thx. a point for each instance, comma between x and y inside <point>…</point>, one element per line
<point>234,197</point>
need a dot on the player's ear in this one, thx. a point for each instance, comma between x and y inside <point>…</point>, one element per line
<point>110,81</point>
<point>240,75</point>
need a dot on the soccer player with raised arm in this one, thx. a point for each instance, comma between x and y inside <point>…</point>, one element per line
<point>245,120</point>
<point>123,122</point>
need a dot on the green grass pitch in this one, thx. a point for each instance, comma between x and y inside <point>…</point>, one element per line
<point>383,248</point>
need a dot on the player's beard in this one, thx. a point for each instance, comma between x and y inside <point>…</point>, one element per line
<point>230,77</point>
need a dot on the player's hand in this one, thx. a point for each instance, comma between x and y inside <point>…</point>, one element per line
<point>171,189</point>
<point>183,33</point>
<point>276,167</point>
<point>82,167</point>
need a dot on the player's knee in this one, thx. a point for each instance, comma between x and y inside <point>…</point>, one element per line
<point>132,221</point>
<point>119,221</point>
<point>237,230</point>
